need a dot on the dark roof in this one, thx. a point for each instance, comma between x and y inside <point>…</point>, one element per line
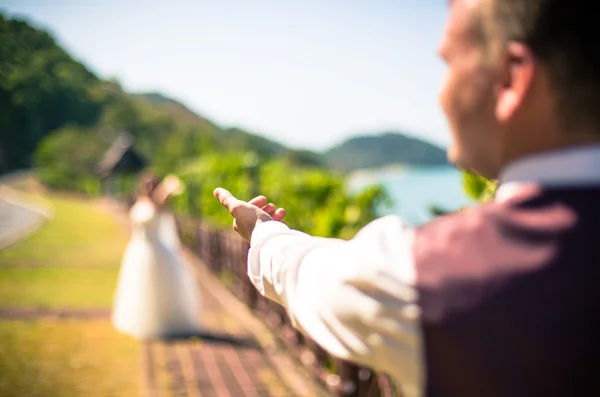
<point>121,158</point>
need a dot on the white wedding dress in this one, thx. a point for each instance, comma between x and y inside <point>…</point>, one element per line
<point>168,230</point>
<point>156,294</point>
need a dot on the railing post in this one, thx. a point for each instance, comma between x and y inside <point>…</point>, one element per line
<point>251,293</point>
<point>367,381</point>
<point>215,261</point>
<point>200,240</point>
<point>348,373</point>
<point>386,387</point>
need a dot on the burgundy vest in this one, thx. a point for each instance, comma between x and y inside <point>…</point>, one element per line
<point>510,295</point>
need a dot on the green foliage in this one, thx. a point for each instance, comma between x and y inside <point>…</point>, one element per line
<point>478,187</point>
<point>316,200</point>
<point>68,158</point>
<point>41,89</point>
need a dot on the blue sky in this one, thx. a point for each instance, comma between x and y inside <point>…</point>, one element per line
<point>306,73</point>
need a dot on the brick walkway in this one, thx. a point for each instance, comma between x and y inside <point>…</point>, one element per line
<point>236,356</point>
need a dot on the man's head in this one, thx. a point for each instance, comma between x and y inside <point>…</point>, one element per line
<point>523,77</point>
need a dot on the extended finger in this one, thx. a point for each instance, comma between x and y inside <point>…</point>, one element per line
<point>269,208</point>
<point>225,198</point>
<point>259,201</point>
<point>279,214</point>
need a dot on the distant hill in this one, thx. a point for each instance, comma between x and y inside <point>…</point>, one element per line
<point>177,109</point>
<point>234,138</point>
<point>382,150</point>
<point>41,89</point>
<point>359,152</point>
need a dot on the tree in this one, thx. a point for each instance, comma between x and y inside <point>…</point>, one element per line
<point>67,159</point>
<point>41,89</point>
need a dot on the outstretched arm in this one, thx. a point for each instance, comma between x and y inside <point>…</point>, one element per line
<point>169,186</point>
<point>354,298</point>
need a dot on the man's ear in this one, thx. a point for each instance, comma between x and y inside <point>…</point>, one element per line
<point>519,71</point>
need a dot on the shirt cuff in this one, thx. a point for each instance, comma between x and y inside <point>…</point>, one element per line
<point>259,263</point>
<point>266,229</point>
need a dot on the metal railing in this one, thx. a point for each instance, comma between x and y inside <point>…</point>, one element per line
<point>225,254</point>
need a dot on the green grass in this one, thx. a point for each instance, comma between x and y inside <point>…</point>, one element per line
<point>57,288</point>
<point>66,359</point>
<point>72,262</point>
<point>80,235</point>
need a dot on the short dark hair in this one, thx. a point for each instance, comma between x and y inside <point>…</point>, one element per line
<point>563,35</point>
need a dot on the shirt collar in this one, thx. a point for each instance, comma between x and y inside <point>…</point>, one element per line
<point>576,166</point>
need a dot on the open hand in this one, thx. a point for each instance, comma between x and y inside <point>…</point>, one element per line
<point>173,185</point>
<point>247,215</point>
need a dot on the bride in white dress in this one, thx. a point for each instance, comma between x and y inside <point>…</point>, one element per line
<point>156,294</point>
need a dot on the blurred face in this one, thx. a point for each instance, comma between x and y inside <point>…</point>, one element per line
<point>468,95</point>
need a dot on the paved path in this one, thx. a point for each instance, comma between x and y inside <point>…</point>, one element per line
<point>15,221</point>
<point>236,356</point>
<point>20,213</point>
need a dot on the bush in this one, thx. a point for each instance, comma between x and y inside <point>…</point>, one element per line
<point>478,187</point>
<point>316,200</point>
<point>67,159</point>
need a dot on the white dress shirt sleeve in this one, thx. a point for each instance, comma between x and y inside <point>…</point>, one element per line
<point>355,298</point>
